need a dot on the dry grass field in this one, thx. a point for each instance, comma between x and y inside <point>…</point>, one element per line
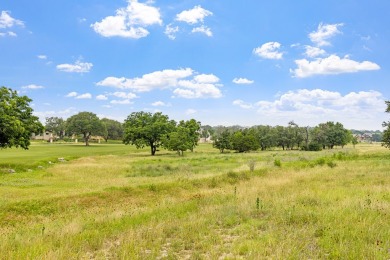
<point>112,201</point>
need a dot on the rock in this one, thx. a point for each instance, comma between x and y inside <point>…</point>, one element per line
<point>40,167</point>
<point>11,171</point>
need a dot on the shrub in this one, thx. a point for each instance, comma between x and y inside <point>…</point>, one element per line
<point>314,147</point>
<point>277,163</point>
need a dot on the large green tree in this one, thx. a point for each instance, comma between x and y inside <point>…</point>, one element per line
<point>179,140</point>
<point>56,125</point>
<point>17,122</point>
<point>193,128</point>
<point>113,129</point>
<point>86,124</point>
<point>146,129</point>
<point>386,133</point>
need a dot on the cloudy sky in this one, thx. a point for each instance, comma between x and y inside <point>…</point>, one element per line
<point>221,62</point>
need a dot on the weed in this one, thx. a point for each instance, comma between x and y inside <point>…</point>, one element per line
<point>277,163</point>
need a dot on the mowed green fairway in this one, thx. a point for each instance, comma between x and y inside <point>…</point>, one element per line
<point>111,201</point>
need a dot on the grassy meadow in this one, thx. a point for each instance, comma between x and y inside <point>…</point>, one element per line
<point>111,201</point>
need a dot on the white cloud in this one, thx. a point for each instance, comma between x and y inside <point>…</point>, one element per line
<point>316,106</point>
<point>331,65</point>
<point>32,86</point>
<point>155,80</point>
<point>160,104</point>
<point>78,67</point>
<point>101,97</point>
<point>124,95</point>
<point>242,104</point>
<point>61,113</point>
<point>72,94</point>
<point>203,29</point>
<point>171,31</point>
<point>42,57</point>
<point>199,86</point>
<point>194,15</point>
<point>269,50</point>
<point>242,81</point>
<point>358,110</point>
<point>206,78</point>
<point>313,52</point>
<point>6,21</point>
<point>191,111</point>
<point>121,102</point>
<point>129,22</point>
<point>324,33</point>
<point>84,96</point>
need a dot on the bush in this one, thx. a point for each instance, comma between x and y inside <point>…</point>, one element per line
<point>314,147</point>
<point>277,163</point>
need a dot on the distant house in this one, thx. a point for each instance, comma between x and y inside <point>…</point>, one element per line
<point>364,137</point>
<point>46,136</point>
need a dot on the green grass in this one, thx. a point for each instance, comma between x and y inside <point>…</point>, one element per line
<point>113,201</point>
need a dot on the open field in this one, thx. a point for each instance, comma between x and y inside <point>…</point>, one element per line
<point>113,201</point>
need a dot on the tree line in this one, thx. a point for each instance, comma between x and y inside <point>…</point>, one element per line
<point>143,129</point>
<point>325,135</point>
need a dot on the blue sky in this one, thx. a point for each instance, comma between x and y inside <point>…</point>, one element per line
<point>220,62</point>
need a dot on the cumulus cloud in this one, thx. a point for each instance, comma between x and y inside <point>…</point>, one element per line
<point>33,86</point>
<point>269,50</point>
<point>201,86</point>
<point>358,110</point>
<point>101,97</point>
<point>242,81</point>
<point>72,94</point>
<point>84,96</point>
<point>122,102</point>
<point>313,52</point>
<point>242,104</point>
<point>125,95</point>
<point>6,21</point>
<point>183,82</point>
<point>130,21</point>
<point>171,31</point>
<point>155,80</point>
<point>204,30</point>
<point>194,15</point>
<point>331,65</point>
<point>324,33</point>
<point>160,104</point>
<point>319,103</point>
<point>78,67</point>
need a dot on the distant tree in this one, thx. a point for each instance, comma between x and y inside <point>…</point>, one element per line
<point>179,140</point>
<point>17,123</point>
<point>244,141</point>
<point>222,141</point>
<point>206,132</point>
<point>354,141</point>
<point>56,125</point>
<point>386,133</point>
<point>193,128</point>
<point>85,123</point>
<point>146,129</point>
<point>282,137</point>
<point>266,137</point>
<point>113,129</point>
